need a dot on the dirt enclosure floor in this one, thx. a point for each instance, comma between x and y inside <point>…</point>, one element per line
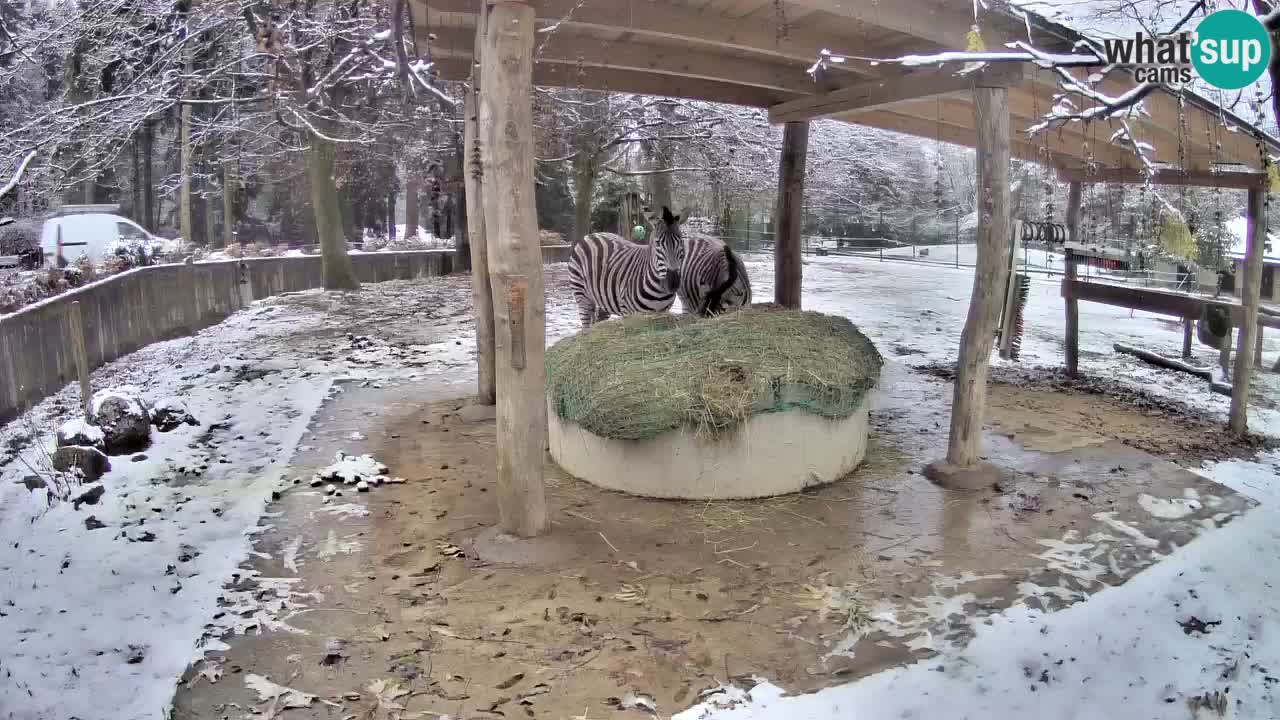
<point>405,596</point>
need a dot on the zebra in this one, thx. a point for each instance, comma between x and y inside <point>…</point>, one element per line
<point>610,275</point>
<point>713,278</point>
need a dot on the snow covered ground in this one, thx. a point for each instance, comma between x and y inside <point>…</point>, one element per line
<point>108,617</point>
<point>1123,653</point>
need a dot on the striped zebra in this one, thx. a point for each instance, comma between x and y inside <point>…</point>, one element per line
<point>713,278</point>
<point>610,275</point>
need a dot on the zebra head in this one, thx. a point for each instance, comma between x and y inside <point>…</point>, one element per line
<point>667,244</point>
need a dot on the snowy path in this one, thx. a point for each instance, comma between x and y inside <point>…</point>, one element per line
<point>110,617</point>
<point>93,617</point>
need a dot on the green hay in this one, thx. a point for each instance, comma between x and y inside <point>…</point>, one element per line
<point>643,375</point>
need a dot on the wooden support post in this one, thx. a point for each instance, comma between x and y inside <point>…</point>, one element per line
<point>81,358</point>
<point>1069,275</point>
<point>1257,347</point>
<point>473,180</point>
<point>788,218</point>
<point>963,466</point>
<point>1249,296</point>
<point>1188,328</point>
<point>515,264</point>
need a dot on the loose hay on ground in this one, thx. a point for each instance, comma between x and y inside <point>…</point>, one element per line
<point>643,375</point>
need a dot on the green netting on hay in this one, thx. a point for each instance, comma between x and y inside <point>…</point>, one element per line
<point>643,375</point>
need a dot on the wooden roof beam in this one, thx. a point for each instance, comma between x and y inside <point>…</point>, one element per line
<point>628,81</point>
<point>1056,152</point>
<point>878,94</point>
<point>689,27</point>
<point>622,55</point>
<point>1224,179</point>
<point>942,23</point>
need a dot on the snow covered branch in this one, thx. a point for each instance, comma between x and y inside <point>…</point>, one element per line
<point>17,174</point>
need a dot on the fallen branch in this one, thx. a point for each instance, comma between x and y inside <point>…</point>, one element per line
<point>1203,373</point>
<point>1165,362</point>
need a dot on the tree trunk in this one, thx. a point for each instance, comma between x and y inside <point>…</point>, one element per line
<point>1068,276</point>
<point>659,183</point>
<point>210,221</point>
<point>515,265</point>
<point>789,215</point>
<point>481,291</point>
<point>186,226</point>
<point>228,204</point>
<point>991,110</point>
<point>135,196</point>
<point>457,190</point>
<point>391,216</point>
<point>410,205</point>
<point>339,273</point>
<point>149,221</point>
<point>1249,296</point>
<point>584,183</point>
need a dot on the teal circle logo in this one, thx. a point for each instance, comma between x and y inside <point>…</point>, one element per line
<point>1232,49</point>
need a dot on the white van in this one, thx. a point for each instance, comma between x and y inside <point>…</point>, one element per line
<point>97,235</point>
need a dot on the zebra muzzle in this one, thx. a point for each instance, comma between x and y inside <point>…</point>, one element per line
<point>673,280</point>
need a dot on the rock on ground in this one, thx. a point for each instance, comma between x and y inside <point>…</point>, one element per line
<point>171,412</point>
<point>90,461</point>
<point>124,419</point>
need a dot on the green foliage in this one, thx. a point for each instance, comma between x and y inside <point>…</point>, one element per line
<point>604,214</point>
<point>1176,240</point>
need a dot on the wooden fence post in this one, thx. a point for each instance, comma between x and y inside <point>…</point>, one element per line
<point>963,466</point>
<point>788,219</point>
<point>1069,276</point>
<point>515,265</point>
<point>81,358</point>
<point>473,180</point>
<point>1249,296</point>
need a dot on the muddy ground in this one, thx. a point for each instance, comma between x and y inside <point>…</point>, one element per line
<point>1027,401</point>
<point>407,596</point>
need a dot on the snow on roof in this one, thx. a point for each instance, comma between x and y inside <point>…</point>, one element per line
<point>1239,228</point>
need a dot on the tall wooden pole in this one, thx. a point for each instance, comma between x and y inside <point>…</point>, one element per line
<point>1069,276</point>
<point>963,466</point>
<point>788,217</point>
<point>515,264</point>
<point>473,180</point>
<point>1249,293</point>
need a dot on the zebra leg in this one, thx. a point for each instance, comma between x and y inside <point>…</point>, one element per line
<point>586,310</point>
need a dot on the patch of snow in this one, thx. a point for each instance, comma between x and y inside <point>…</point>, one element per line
<point>131,396</point>
<point>1109,519</point>
<point>1168,508</point>
<point>78,427</point>
<point>291,554</point>
<point>352,469</point>
<point>334,546</point>
<point>1123,653</point>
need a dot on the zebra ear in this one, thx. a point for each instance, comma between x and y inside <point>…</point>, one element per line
<point>649,216</point>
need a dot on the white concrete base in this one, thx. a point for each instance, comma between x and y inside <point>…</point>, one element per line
<point>769,454</point>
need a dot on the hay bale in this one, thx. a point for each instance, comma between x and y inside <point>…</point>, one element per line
<point>643,375</point>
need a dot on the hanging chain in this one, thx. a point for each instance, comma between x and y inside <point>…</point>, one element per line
<point>937,178</point>
<point>783,28</point>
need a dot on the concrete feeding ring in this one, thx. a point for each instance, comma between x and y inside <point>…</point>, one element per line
<point>770,454</point>
<point>753,404</point>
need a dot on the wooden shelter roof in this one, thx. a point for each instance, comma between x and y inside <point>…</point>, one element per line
<point>758,52</point>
